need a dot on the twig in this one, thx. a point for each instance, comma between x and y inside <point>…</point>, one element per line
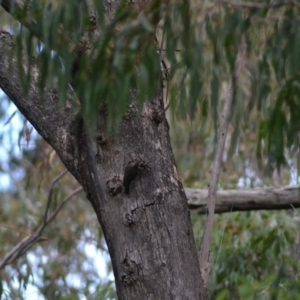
<point>35,237</point>
<point>213,186</point>
<point>53,182</point>
<point>53,215</point>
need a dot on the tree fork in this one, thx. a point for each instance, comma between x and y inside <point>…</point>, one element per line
<point>148,233</point>
<point>146,229</point>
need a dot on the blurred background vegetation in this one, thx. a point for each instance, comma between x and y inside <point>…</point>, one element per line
<point>252,251</point>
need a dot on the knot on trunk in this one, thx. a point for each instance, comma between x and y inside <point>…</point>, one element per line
<point>114,185</point>
<point>130,271</point>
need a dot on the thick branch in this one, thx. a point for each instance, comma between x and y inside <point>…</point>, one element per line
<point>56,124</point>
<point>19,13</point>
<point>245,200</point>
<point>244,4</point>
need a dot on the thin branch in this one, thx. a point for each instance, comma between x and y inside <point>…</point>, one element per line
<point>53,182</point>
<point>53,215</point>
<point>213,186</point>
<point>35,237</point>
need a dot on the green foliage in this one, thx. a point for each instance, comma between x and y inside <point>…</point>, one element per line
<point>267,89</point>
<point>200,42</point>
<point>251,256</point>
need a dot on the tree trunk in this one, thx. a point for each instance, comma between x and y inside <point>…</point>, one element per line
<point>148,231</point>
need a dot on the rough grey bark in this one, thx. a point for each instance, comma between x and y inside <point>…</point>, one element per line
<point>148,232</point>
<point>271,198</point>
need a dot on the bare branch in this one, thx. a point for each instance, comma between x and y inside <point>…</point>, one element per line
<point>271,198</point>
<point>213,186</point>
<point>244,4</point>
<point>53,182</point>
<point>53,215</point>
<point>35,237</point>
